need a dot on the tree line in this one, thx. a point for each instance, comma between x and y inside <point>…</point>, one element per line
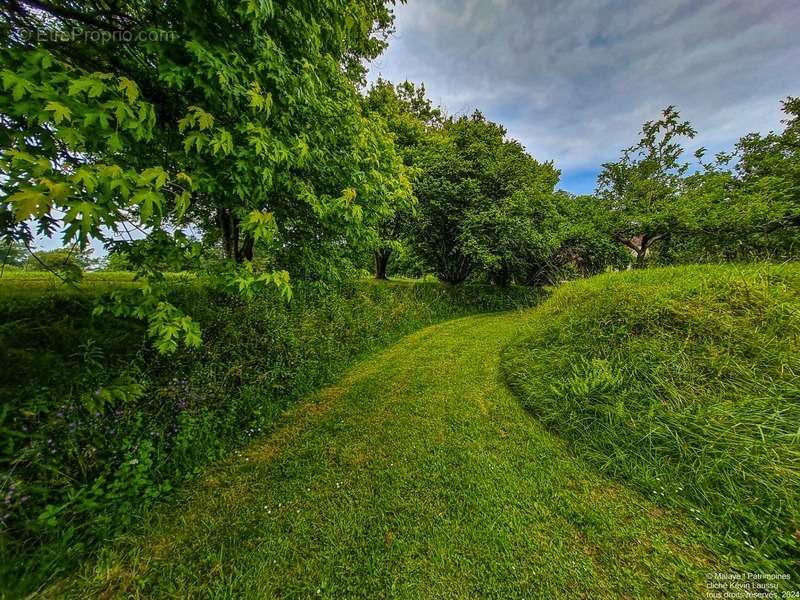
<point>487,210</point>
<point>238,139</point>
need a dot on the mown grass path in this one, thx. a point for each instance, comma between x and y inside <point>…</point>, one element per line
<point>417,476</point>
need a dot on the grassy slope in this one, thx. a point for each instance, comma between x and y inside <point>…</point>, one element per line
<point>418,476</point>
<point>686,383</point>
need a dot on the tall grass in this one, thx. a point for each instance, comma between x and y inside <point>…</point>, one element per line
<point>686,383</point>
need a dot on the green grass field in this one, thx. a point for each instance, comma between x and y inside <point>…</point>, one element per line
<point>651,438</point>
<point>93,471</point>
<point>15,281</point>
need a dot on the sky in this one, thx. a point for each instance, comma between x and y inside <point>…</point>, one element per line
<point>573,80</point>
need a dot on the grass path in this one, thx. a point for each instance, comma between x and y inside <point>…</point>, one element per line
<point>417,476</point>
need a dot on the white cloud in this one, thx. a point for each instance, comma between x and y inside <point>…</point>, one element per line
<point>573,80</point>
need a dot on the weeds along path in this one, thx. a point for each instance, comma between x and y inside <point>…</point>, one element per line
<point>417,476</point>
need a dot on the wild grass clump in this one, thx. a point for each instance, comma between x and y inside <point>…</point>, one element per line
<point>685,382</point>
<point>96,426</point>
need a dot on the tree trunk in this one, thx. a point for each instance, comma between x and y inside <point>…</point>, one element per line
<point>381,262</point>
<point>639,245</point>
<point>644,248</point>
<point>502,276</point>
<point>229,225</point>
<point>226,225</point>
<point>641,256</point>
<point>246,251</point>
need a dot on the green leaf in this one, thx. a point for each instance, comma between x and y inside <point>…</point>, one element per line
<point>195,139</point>
<point>182,202</point>
<point>94,87</point>
<point>86,177</point>
<point>148,202</point>
<point>181,176</point>
<point>261,225</point>
<point>155,175</point>
<point>115,142</point>
<point>29,203</point>
<point>57,191</point>
<point>130,88</point>
<point>60,112</point>
<point>82,218</point>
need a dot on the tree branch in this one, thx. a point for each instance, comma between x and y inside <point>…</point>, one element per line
<point>70,14</point>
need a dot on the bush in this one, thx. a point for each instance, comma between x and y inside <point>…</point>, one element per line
<point>96,426</point>
<point>685,382</point>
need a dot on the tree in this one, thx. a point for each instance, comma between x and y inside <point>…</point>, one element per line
<point>747,201</point>
<point>12,253</point>
<point>61,259</point>
<point>768,171</point>
<point>643,190</point>
<point>238,117</point>
<point>485,205</point>
<point>409,115</point>
<point>585,247</point>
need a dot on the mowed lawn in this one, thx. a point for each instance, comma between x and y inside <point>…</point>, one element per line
<point>418,476</point>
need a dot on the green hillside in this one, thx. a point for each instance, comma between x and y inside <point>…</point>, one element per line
<point>684,382</point>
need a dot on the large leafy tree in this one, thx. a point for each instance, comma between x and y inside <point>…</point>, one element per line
<point>240,117</point>
<point>61,260</point>
<point>485,205</point>
<point>747,202</point>
<point>584,246</point>
<point>768,172</point>
<point>643,190</point>
<point>410,116</point>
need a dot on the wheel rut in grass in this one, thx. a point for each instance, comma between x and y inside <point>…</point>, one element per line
<point>418,475</point>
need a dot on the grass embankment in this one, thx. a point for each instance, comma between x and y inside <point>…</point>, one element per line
<point>96,426</point>
<point>418,475</point>
<point>684,382</point>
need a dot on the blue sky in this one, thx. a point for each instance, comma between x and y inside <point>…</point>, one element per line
<point>573,80</point>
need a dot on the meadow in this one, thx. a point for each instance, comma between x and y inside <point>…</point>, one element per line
<point>628,435</point>
<point>623,434</point>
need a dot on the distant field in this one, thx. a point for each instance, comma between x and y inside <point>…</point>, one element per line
<point>15,281</point>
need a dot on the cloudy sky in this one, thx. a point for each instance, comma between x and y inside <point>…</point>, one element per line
<point>573,80</point>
